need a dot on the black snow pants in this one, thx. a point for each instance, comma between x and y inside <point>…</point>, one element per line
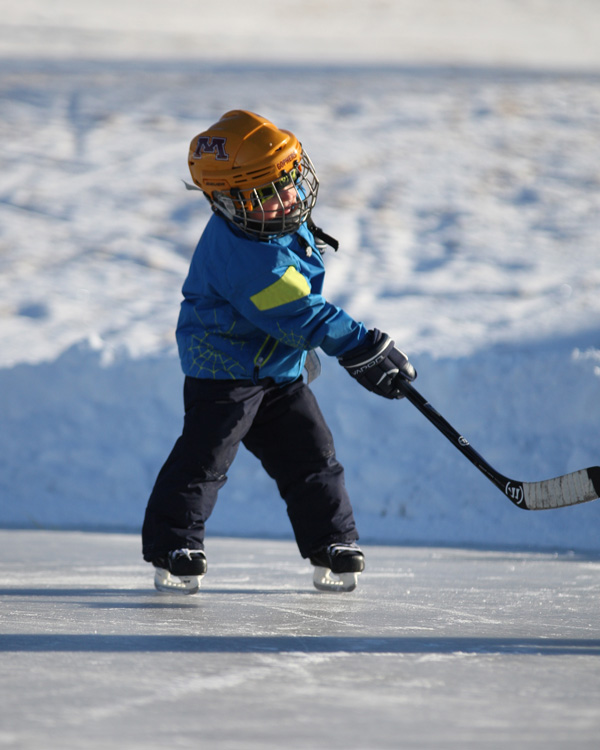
<point>282,425</point>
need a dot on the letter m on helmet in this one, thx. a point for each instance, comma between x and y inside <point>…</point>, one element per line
<point>211,145</point>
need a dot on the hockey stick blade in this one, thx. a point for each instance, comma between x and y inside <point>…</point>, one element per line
<point>570,489</point>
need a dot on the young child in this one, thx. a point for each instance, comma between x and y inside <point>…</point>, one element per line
<point>253,309</point>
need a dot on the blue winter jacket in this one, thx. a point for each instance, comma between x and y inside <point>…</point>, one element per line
<point>252,309</point>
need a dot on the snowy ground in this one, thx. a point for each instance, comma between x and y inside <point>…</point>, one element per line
<point>437,648</point>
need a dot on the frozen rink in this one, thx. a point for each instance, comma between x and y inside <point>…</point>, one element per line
<point>438,648</point>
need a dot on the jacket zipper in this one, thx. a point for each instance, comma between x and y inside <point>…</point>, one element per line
<point>261,360</point>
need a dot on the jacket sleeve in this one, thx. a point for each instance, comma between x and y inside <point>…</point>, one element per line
<point>275,297</point>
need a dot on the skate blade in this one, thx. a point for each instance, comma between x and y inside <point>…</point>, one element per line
<point>170,584</point>
<point>325,580</point>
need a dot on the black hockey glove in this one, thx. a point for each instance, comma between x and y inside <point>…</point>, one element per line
<point>377,364</point>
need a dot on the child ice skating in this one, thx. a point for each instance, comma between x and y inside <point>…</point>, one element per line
<point>253,311</point>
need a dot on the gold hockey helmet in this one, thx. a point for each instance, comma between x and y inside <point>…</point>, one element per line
<point>244,164</point>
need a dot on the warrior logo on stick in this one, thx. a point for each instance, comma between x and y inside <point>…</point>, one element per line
<point>515,492</point>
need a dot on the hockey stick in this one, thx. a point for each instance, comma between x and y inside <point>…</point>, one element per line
<point>570,489</point>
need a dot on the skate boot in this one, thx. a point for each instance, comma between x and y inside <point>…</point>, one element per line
<point>337,567</point>
<point>180,571</point>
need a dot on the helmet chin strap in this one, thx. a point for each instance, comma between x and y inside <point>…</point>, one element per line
<point>319,234</point>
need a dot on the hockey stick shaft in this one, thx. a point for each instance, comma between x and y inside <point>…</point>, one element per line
<point>570,489</point>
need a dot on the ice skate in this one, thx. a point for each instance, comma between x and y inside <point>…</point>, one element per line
<point>337,567</point>
<point>180,571</point>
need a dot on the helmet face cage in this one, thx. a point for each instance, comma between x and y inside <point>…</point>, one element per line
<point>288,200</point>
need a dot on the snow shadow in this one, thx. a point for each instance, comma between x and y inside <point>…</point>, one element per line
<point>69,643</point>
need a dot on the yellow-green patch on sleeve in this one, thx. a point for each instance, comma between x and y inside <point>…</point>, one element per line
<point>291,286</point>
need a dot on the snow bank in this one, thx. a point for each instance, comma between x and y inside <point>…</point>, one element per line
<point>84,436</point>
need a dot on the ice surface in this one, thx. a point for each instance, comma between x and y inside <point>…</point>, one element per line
<point>436,648</point>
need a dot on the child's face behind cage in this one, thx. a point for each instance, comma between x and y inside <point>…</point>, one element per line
<point>276,202</point>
